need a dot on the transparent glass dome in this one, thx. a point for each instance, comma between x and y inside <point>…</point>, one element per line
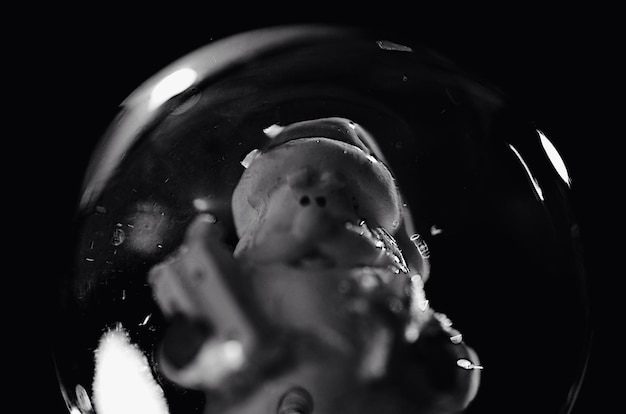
<point>481,215</point>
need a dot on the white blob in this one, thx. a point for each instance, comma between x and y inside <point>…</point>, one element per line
<point>123,382</point>
<point>456,339</point>
<point>250,157</point>
<point>273,130</point>
<point>555,158</point>
<point>171,85</point>
<point>465,364</point>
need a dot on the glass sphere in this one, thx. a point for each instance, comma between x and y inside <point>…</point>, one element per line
<point>225,211</point>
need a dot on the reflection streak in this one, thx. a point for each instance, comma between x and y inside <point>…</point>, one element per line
<point>531,177</point>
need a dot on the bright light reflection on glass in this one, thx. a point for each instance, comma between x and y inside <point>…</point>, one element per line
<point>532,179</point>
<point>123,382</point>
<point>171,85</point>
<point>555,158</point>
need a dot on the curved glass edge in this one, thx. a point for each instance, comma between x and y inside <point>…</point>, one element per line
<point>145,105</point>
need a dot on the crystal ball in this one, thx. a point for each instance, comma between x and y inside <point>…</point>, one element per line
<point>317,218</point>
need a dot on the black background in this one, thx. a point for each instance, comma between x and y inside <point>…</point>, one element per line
<point>558,65</point>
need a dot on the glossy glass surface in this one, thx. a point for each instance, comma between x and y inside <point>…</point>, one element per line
<point>486,191</point>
